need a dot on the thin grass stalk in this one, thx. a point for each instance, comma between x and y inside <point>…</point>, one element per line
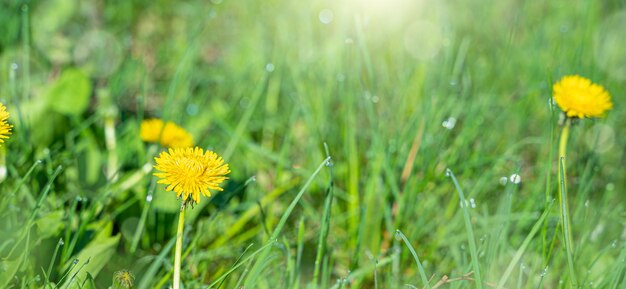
<point>179,245</point>
<point>565,222</point>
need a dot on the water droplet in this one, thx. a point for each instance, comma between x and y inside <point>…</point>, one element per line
<point>61,243</point>
<point>515,178</point>
<point>504,180</point>
<point>269,67</point>
<point>326,16</point>
<point>14,66</point>
<point>75,261</point>
<point>449,123</point>
<point>472,203</point>
<point>375,99</point>
<point>149,198</point>
<point>587,204</point>
<point>614,244</point>
<point>448,172</point>
<point>522,266</point>
<point>329,163</point>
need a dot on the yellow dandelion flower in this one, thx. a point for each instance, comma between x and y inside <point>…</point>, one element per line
<point>172,136</point>
<point>579,97</point>
<point>5,127</point>
<point>191,171</point>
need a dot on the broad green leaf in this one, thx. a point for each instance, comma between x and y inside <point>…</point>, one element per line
<point>50,224</point>
<point>70,93</point>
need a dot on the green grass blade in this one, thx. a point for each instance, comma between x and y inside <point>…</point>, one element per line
<point>522,249</point>
<point>258,266</point>
<point>417,259</point>
<point>469,230</point>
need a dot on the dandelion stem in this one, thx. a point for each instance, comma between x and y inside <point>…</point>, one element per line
<point>179,245</point>
<point>562,177</point>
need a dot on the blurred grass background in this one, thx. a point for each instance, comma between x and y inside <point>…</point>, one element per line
<point>399,91</point>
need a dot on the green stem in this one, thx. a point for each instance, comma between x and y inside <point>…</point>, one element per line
<point>179,246</point>
<point>562,177</point>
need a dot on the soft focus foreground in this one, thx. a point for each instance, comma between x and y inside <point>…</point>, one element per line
<point>437,115</point>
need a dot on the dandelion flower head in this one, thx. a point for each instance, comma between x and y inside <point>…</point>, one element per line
<point>190,172</point>
<point>5,127</point>
<point>171,136</point>
<point>579,97</point>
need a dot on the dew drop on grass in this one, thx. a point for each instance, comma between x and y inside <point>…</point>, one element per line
<point>614,244</point>
<point>587,204</point>
<point>14,66</point>
<point>448,172</point>
<point>544,272</point>
<point>269,67</point>
<point>329,163</point>
<point>149,198</point>
<point>61,243</point>
<point>75,261</point>
<point>449,123</point>
<point>472,203</point>
<point>375,99</point>
<point>515,178</point>
<point>326,16</point>
<point>504,180</point>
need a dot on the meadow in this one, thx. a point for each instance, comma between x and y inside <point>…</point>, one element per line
<point>371,144</point>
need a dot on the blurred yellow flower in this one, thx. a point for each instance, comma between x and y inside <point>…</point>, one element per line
<point>579,97</point>
<point>191,171</point>
<point>5,127</point>
<point>172,136</point>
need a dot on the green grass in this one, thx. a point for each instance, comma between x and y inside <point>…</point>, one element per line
<point>335,136</point>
